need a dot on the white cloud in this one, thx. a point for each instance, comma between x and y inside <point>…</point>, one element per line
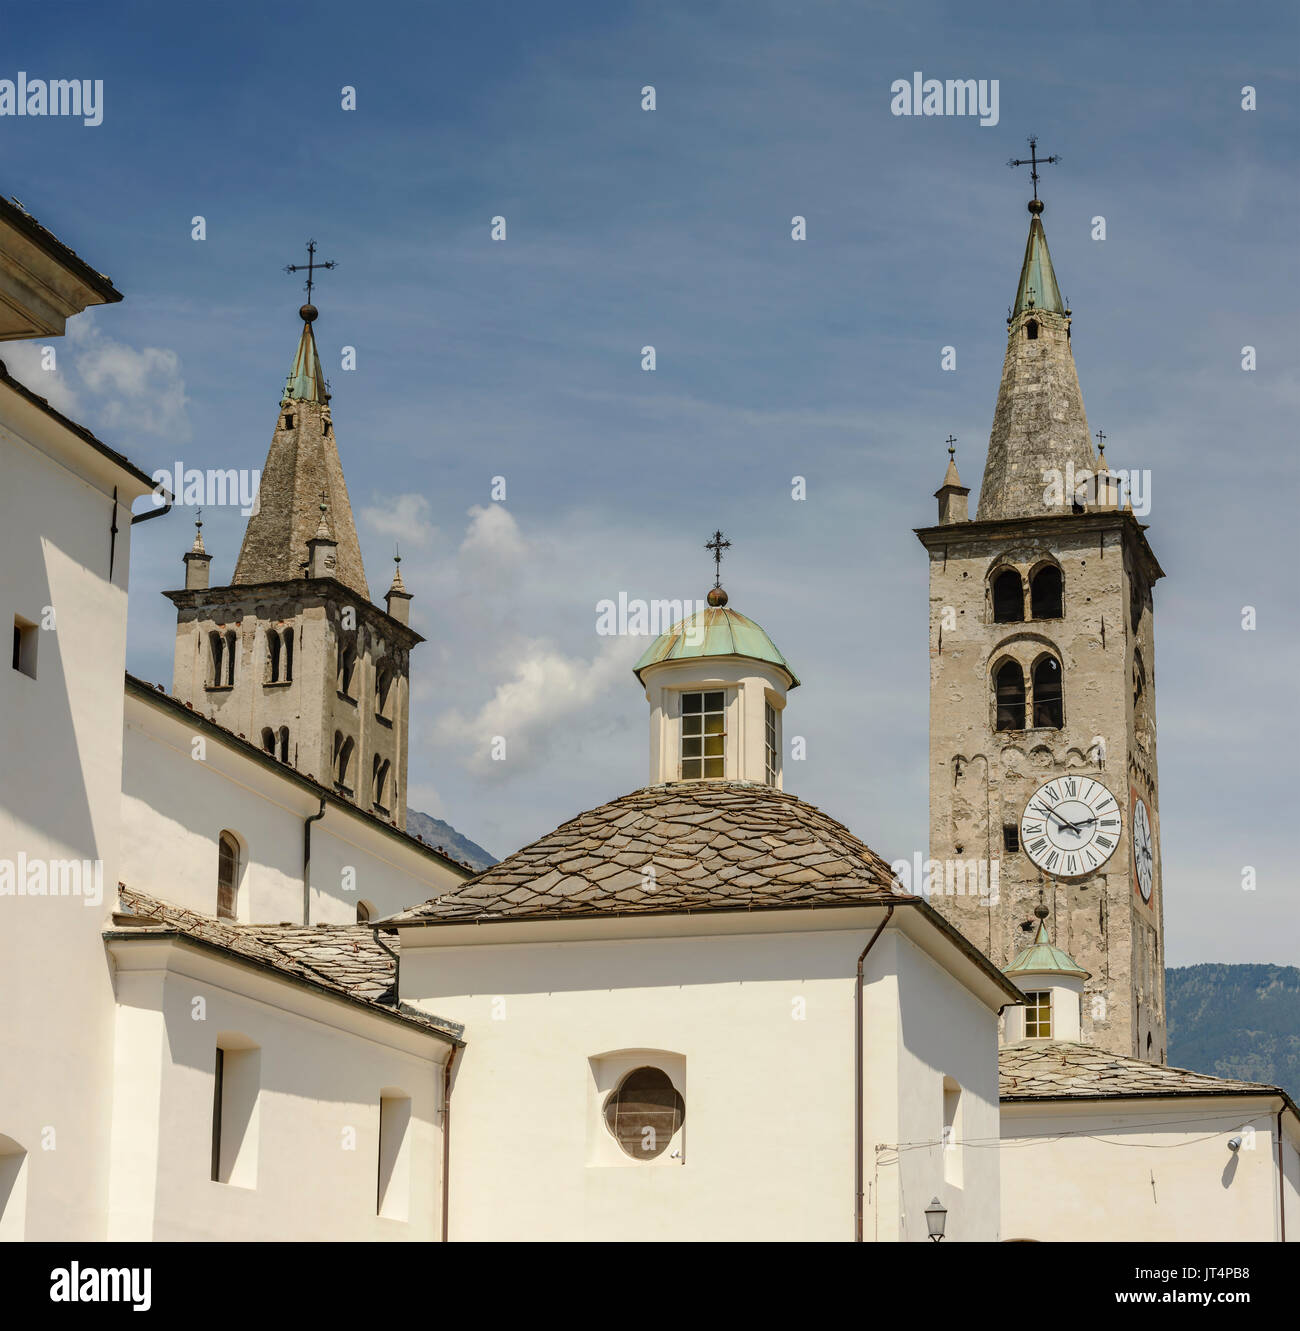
<point>548,699</point>
<point>404,519</point>
<point>134,391</point>
<point>493,538</point>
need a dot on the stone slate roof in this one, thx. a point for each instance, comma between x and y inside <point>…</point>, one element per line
<point>1061,1069</point>
<point>345,960</point>
<point>714,845</point>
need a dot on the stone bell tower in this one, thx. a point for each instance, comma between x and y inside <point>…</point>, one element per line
<point>1042,666</point>
<point>292,654</point>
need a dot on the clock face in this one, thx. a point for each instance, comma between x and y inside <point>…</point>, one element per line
<point>1144,855</point>
<point>1071,826</point>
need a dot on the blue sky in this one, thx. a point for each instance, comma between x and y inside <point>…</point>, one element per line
<point>774,358</point>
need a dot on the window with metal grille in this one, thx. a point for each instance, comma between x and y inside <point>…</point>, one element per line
<point>645,1112</point>
<point>704,735</point>
<point>1008,597</point>
<point>773,754</point>
<point>1046,593</point>
<point>1049,704</point>
<point>1009,683</point>
<point>1010,838</point>
<point>1038,1015</point>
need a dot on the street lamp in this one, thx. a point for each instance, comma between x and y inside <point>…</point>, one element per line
<point>936,1217</point>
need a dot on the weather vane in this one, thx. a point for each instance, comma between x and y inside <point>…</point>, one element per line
<point>1033,162</point>
<point>718,544</point>
<point>310,267</point>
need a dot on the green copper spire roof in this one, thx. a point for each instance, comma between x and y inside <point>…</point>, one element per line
<point>1040,956</point>
<point>716,631</point>
<point>1037,280</point>
<point>306,382</point>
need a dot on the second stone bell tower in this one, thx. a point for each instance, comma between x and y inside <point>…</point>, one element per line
<point>292,654</point>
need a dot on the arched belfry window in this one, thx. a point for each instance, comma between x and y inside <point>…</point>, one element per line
<point>268,740</point>
<point>645,1112</point>
<point>347,667</point>
<point>227,876</point>
<point>1049,701</point>
<point>284,744</point>
<point>230,657</point>
<point>287,638</point>
<point>1009,690</point>
<point>217,651</point>
<point>384,693</point>
<point>342,760</point>
<point>1046,587</point>
<point>1031,330</point>
<point>1008,597</point>
<point>272,657</point>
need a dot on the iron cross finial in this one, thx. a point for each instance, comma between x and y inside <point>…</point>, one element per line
<point>310,267</point>
<point>718,544</point>
<point>1101,443</point>
<point>951,441</point>
<point>1033,162</point>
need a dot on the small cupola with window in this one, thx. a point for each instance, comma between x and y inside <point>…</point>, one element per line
<point>717,687</point>
<point>1053,987</point>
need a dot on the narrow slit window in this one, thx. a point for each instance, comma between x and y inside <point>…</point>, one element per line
<point>772,744</point>
<point>25,647</point>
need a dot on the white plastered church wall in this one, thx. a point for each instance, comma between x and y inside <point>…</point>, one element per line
<point>59,799</point>
<point>175,807</point>
<point>757,1012</point>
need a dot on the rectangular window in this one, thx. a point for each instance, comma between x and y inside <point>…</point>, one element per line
<point>704,735</point>
<point>773,748</point>
<point>1038,1015</point>
<point>952,1132</point>
<point>25,646</point>
<point>1010,838</point>
<point>394,1194</point>
<point>234,1114</point>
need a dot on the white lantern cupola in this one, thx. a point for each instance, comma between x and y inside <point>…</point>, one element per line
<point>1053,984</point>
<point>717,686</point>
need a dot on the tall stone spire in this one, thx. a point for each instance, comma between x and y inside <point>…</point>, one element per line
<point>1040,434</point>
<point>303,462</point>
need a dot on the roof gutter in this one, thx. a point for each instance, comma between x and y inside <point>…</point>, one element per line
<point>446,1135</point>
<point>306,860</point>
<point>858,1094</point>
<point>1281,1180</point>
<point>168,500</point>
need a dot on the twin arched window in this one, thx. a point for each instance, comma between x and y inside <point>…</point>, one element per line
<point>379,769</point>
<point>276,743</point>
<point>347,667</point>
<point>342,760</point>
<point>221,649</point>
<point>1047,699</point>
<point>384,692</point>
<point>1046,594</point>
<point>279,656</point>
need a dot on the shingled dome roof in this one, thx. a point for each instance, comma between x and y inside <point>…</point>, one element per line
<point>713,845</point>
<point>716,631</point>
<point>1043,957</point>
